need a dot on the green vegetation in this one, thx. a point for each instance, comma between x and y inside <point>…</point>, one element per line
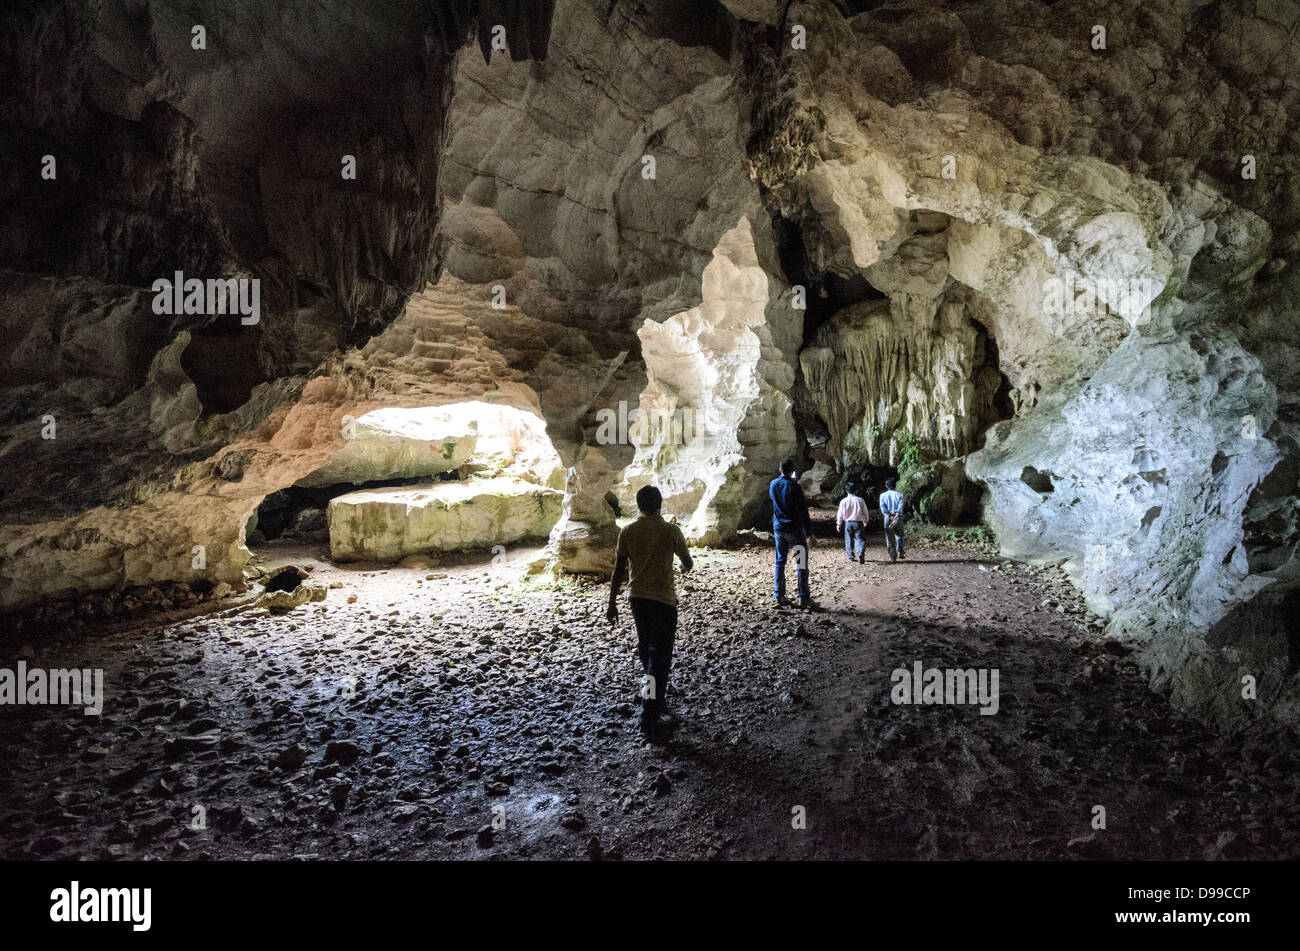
<point>909,463</point>
<point>917,478</point>
<point>544,582</point>
<point>974,533</point>
<point>977,534</point>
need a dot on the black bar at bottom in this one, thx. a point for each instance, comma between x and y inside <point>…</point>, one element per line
<point>298,900</point>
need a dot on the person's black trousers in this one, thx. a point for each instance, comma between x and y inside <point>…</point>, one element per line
<point>656,629</point>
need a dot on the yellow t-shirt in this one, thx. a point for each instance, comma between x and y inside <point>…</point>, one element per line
<point>650,544</point>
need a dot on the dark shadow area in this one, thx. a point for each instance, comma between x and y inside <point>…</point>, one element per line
<point>224,363</point>
<point>299,511</point>
<point>825,291</point>
<point>686,23</point>
<point>993,383</point>
<point>285,579</point>
<point>1036,480</point>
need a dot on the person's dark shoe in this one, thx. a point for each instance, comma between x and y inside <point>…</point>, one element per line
<point>862,559</point>
<point>901,555</point>
<point>807,606</point>
<point>658,729</point>
<point>783,602</point>
<point>893,557</point>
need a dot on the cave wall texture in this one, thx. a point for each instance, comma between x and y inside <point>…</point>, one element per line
<point>918,173</point>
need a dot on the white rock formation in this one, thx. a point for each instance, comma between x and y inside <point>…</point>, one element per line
<point>398,444</point>
<point>410,442</point>
<point>817,482</point>
<point>717,402</point>
<point>910,364</point>
<point>1131,406</point>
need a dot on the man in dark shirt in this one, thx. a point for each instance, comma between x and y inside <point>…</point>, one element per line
<point>792,529</point>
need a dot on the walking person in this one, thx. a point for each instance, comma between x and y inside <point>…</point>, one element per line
<point>645,552</point>
<point>792,531</point>
<point>851,519</point>
<point>891,507</point>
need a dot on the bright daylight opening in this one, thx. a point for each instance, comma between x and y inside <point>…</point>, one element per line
<point>412,483</point>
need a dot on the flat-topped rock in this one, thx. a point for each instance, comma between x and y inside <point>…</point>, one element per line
<point>388,524</point>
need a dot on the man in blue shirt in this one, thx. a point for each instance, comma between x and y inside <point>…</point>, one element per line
<point>792,529</point>
<point>891,507</point>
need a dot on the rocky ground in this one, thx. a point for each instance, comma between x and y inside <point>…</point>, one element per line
<point>416,705</point>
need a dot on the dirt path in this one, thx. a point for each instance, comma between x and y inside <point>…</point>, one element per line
<point>392,719</point>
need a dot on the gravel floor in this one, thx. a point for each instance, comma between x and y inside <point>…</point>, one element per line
<point>467,710</point>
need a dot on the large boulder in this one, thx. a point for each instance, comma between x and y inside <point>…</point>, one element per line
<point>398,444</point>
<point>388,524</point>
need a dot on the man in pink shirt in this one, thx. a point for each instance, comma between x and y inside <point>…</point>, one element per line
<point>852,520</point>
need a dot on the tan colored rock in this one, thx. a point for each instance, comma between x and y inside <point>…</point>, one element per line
<point>410,442</point>
<point>398,444</point>
<point>910,365</point>
<point>760,11</point>
<point>389,524</point>
<point>278,602</point>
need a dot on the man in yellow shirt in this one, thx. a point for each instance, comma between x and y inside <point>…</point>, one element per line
<point>647,548</point>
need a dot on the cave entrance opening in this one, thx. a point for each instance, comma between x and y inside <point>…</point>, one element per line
<point>825,478</point>
<point>418,487</point>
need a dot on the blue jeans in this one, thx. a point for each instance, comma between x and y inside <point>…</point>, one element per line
<point>855,540</point>
<point>794,545</point>
<point>894,536</point>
